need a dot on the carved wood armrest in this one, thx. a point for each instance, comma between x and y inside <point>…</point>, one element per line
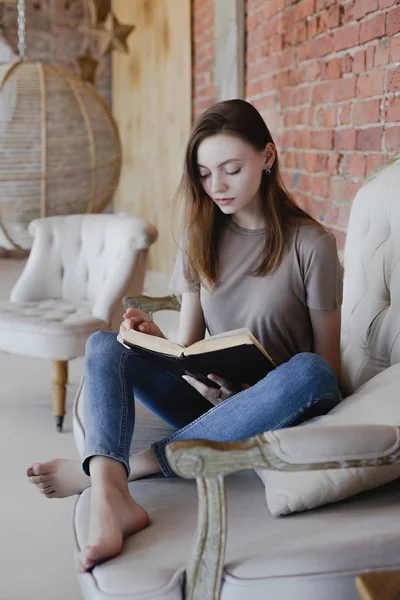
<point>208,462</point>
<point>292,449</point>
<point>150,305</point>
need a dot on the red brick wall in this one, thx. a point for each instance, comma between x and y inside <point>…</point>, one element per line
<point>325,75</point>
<point>54,33</point>
<point>204,93</point>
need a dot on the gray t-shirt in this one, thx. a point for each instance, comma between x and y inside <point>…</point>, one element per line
<point>274,307</point>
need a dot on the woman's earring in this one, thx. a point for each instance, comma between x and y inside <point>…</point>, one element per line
<point>267,171</point>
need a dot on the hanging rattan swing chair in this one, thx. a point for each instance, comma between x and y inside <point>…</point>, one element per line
<point>60,151</point>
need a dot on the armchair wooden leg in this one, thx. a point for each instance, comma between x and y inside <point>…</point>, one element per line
<point>204,573</point>
<point>59,377</point>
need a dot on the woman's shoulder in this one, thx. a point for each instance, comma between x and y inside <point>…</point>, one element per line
<point>308,234</point>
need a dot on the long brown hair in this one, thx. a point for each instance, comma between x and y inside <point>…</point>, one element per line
<point>203,220</point>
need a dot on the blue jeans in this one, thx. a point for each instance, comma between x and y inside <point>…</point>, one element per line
<point>297,390</point>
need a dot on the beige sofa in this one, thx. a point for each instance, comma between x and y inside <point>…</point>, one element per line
<point>308,555</point>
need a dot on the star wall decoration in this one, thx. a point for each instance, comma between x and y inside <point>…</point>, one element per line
<point>112,35</point>
<point>99,10</point>
<point>87,65</point>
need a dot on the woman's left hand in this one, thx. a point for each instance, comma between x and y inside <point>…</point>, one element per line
<point>213,395</point>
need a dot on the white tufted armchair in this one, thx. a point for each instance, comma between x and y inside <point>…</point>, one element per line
<point>79,268</point>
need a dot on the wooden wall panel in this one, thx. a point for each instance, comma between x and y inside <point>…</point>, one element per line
<point>152,106</point>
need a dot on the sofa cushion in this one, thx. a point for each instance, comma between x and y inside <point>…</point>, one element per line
<point>377,402</point>
<point>47,328</point>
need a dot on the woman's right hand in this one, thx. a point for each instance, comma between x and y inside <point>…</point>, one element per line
<point>140,321</point>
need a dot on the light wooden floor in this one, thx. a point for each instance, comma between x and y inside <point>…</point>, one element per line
<point>36,559</point>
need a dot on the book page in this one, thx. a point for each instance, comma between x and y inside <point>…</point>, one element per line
<point>225,334</point>
<point>152,342</point>
<point>228,339</point>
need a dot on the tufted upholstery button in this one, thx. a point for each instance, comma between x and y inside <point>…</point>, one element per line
<point>45,313</point>
<point>365,232</point>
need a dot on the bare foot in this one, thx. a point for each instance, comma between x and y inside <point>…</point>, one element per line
<point>62,477</point>
<point>114,516</point>
<point>58,478</point>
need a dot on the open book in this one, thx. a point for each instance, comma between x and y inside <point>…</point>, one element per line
<point>235,355</point>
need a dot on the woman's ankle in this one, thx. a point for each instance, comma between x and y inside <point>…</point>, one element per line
<point>107,472</point>
<point>143,464</point>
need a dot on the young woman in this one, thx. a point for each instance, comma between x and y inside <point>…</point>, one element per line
<point>251,258</point>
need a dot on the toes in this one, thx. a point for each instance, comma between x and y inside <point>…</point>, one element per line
<point>86,563</point>
<point>41,469</point>
<point>91,554</point>
<point>39,479</point>
<point>43,486</point>
<point>80,566</point>
<point>85,566</point>
<point>48,492</point>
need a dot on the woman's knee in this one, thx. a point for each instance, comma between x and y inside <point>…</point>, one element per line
<point>314,370</point>
<point>100,343</point>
